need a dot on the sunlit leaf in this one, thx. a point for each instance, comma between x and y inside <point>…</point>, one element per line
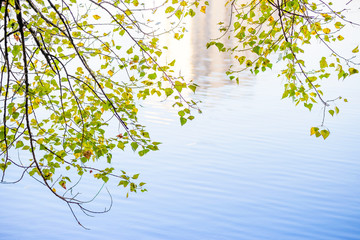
<point>324,133</point>
<point>326,30</point>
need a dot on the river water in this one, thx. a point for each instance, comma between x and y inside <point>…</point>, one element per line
<point>244,169</point>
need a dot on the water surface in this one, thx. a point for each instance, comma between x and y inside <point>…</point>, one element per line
<point>244,169</point>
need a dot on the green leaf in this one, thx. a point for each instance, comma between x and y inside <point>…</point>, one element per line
<point>220,46</point>
<point>257,50</point>
<point>124,183</point>
<point>183,120</point>
<point>192,87</point>
<point>121,145</point>
<point>16,50</point>
<point>323,63</point>
<point>143,152</point>
<point>19,144</point>
<point>353,71</point>
<point>339,25</point>
<point>134,146</point>
<point>178,14</point>
<point>324,133</point>
<point>105,179</point>
<point>308,106</point>
<point>313,130</point>
<point>135,176</point>
<point>129,51</point>
<point>191,13</point>
<point>209,44</point>
<point>172,63</point>
<point>152,76</point>
<point>168,91</point>
<point>237,25</point>
<point>169,9</point>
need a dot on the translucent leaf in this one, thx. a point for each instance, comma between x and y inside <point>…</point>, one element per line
<point>313,130</point>
<point>169,9</point>
<point>19,144</point>
<point>193,88</point>
<point>324,133</point>
<point>326,30</point>
<point>152,76</point>
<point>353,71</point>
<point>355,50</point>
<point>183,121</point>
<point>135,176</point>
<point>168,91</point>
<point>134,146</point>
<point>338,25</point>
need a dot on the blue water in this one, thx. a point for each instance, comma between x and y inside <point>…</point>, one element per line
<point>244,169</point>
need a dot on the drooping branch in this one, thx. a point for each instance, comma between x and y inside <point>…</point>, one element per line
<point>56,111</point>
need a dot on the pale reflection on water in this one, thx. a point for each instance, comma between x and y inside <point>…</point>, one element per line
<point>244,169</point>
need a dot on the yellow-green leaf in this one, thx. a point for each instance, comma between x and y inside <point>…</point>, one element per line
<point>340,38</point>
<point>324,133</point>
<point>353,71</point>
<point>338,25</point>
<point>313,130</point>
<point>326,30</point>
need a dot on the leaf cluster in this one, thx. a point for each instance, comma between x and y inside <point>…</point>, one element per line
<point>264,28</point>
<point>73,76</point>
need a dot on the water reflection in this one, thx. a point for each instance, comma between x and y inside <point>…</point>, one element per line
<point>207,67</point>
<point>208,64</point>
